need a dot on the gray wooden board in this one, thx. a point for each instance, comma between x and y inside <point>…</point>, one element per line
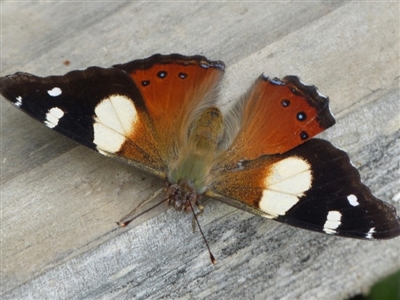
<point>60,201</point>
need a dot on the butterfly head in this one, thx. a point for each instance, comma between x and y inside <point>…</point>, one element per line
<point>182,195</point>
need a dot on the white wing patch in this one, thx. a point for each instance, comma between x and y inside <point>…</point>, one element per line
<point>286,183</point>
<point>54,92</point>
<point>18,103</point>
<point>115,119</point>
<point>53,116</point>
<point>353,200</point>
<point>333,221</point>
<point>369,233</point>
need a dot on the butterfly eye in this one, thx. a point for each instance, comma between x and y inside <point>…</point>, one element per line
<point>285,102</point>
<point>162,74</point>
<point>182,75</point>
<point>301,116</point>
<point>304,135</point>
<point>145,82</point>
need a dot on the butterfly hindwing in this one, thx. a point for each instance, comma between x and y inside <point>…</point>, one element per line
<point>313,186</point>
<point>275,116</point>
<point>175,89</point>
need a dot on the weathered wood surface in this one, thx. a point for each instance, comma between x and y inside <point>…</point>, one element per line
<point>60,201</point>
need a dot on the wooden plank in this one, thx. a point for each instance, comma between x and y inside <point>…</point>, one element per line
<point>60,201</point>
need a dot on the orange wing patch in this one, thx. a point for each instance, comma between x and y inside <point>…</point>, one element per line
<point>175,89</point>
<point>278,116</point>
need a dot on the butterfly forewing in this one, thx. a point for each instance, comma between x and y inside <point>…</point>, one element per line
<point>313,186</point>
<point>99,108</point>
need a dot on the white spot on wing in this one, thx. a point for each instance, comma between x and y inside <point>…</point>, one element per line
<point>115,119</point>
<point>333,221</point>
<point>369,233</point>
<point>353,200</point>
<point>286,183</point>
<point>53,116</point>
<point>18,103</point>
<point>54,92</point>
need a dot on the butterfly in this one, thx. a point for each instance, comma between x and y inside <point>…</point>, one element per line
<point>160,114</point>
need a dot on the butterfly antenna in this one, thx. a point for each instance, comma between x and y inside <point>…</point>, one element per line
<point>213,260</point>
<point>128,218</point>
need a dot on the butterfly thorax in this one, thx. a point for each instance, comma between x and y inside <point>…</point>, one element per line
<point>190,175</point>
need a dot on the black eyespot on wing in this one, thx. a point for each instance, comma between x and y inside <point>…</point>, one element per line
<point>301,116</point>
<point>304,135</point>
<point>162,74</point>
<point>182,75</point>
<point>285,102</point>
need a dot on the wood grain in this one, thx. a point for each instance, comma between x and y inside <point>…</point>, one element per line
<point>60,201</point>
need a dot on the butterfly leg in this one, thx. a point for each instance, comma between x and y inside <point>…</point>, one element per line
<point>200,212</point>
